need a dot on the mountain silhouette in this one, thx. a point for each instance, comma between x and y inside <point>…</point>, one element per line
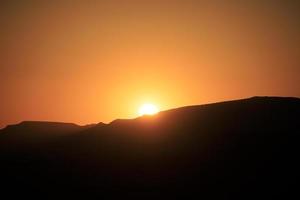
<point>241,149</point>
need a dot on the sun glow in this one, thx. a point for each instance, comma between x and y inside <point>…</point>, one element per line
<point>148,109</point>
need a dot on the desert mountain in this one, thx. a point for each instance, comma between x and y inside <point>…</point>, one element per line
<point>241,149</point>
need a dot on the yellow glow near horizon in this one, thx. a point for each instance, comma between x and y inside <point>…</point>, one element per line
<point>148,109</point>
<point>97,62</point>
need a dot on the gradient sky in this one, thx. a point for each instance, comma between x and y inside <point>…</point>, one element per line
<point>92,61</point>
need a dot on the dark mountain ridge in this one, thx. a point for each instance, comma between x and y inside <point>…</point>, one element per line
<point>241,149</point>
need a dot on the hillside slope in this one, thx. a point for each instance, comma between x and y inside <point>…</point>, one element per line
<point>240,149</point>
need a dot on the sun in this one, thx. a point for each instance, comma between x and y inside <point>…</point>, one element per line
<point>148,109</point>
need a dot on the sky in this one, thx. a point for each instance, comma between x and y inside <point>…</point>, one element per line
<point>96,61</point>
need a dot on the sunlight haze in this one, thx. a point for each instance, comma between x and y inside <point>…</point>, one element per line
<point>92,61</point>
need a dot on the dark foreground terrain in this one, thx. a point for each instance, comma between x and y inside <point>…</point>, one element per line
<point>244,149</point>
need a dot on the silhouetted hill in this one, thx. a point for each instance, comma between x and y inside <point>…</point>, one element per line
<point>30,133</point>
<point>42,127</point>
<point>242,149</point>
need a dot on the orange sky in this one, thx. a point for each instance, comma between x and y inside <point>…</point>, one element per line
<point>86,62</point>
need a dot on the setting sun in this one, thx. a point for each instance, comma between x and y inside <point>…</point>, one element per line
<point>148,109</point>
